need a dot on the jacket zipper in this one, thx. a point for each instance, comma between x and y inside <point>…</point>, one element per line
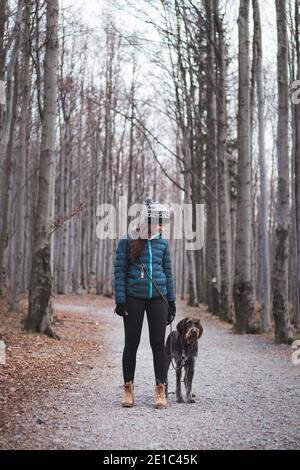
<point>151,268</point>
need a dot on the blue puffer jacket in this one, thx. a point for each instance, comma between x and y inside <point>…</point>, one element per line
<point>128,276</point>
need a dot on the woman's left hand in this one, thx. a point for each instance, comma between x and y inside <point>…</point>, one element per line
<point>121,310</point>
<point>172,312</point>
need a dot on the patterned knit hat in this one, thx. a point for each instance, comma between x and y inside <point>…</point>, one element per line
<point>155,212</point>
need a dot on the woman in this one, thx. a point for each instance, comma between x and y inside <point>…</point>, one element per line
<point>142,257</point>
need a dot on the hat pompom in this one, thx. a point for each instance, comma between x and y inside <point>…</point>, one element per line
<point>148,201</point>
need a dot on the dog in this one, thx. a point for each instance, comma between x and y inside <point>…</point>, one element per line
<point>182,347</point>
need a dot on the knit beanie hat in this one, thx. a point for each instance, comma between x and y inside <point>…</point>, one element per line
<point>155,212</point>
<point>152,214</point>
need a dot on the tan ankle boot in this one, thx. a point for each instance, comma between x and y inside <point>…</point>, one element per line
<point>128,400</point>
<point>160,397</point>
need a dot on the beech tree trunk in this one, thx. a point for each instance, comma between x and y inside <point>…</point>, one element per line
<point>297,161</point>
<point>265,294</point>
<point>223,172</point>
<point>283,330</point>
<point>21,164</point>
<point>243,288</point>
<point>212,237</point>
<point>78,268</point>
<point>40,293</point>
<point>5,154</point>
<point>3,9</point>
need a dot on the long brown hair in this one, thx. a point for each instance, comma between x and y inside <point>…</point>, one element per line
<point>136,248</point>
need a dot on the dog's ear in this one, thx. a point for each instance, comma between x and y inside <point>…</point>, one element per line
<point>200,329</point>
<point>181,326</point>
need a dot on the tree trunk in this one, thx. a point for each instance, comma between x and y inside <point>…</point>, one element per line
<point>21,164</point>
<point>264,263</point>
<point>243,288</point>
<point>40,293</point>
<point>223,173</point>
<point>78,271</point>
<point>5,156</point>
<point>283,330</point>
<point>3,11</point>
<point>297,162</point>
<point>213,249</point>
<point>191,271</point>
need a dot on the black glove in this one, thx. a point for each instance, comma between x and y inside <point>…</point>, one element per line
<point>121,310</point>
<point>172,312</point>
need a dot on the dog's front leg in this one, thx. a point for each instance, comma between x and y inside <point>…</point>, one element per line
<point>189,374</point>
<point>179,396</point>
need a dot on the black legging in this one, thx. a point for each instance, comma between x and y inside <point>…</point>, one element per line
<point>157,314</point>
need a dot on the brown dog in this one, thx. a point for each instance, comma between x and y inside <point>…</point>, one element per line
<point>182,346</point>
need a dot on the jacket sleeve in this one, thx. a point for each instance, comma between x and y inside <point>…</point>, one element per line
<point>121,272</point>
<point>167,266</point>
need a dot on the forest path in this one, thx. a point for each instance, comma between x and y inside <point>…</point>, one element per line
<point>246,396</point>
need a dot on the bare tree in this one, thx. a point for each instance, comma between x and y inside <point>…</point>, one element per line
<point>21,163</point>
<point>223,172</point>
<point>243,288</point>
<point>39,311</point>
<point>297,161</point>
<point>263,206</point>
<point>3,17</point>
<point>283,331</point>
<point>213,247</point>
<point>6,150</point>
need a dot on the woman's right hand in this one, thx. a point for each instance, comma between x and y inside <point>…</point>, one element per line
<point>121,310</point>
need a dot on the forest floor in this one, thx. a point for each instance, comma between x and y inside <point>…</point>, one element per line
<point>66,394</point>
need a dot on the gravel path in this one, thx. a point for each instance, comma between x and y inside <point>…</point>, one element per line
<point>247,397</point>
